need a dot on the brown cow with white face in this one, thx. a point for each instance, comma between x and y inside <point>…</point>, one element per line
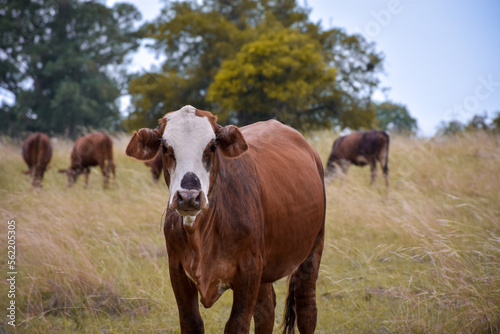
<point>360,148</point>
<point>37,152</point>
<point>246,208</point>
<point>95,149</point>
<point>156,166</point>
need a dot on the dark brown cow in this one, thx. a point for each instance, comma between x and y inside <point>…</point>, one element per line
<point>37,152</point>
<point>156,166</point>
<point>95,149</point>
<point>246,208</point>
<point>360,148</point>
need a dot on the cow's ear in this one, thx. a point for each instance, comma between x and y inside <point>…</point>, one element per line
<point>230,141</point>
<point>144,144</point>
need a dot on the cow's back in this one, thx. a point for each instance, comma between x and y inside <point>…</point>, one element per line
<point>373,142</point>
<point>37,150</point>
<point>290,177</point>
<point>92,149</point>
<point>347,147</point>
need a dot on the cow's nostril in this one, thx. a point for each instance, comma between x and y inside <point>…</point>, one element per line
<point>188,200</point>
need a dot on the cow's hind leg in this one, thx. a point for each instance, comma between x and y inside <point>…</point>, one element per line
<point>302,291</point>
<point>263,313</point>
<point>385,169</point>
<point>373,169</point>
<point>105,173</point>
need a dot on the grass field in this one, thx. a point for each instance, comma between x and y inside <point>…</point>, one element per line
<point>424,260</point>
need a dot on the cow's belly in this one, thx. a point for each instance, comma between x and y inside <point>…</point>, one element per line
<point>361,160</point>
<point>289,240</point>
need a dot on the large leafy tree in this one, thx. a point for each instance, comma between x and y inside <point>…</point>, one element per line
<point>479,122</point>
<point>395,117</point>
<point>495,123</point>
<point>281,75</point>
<point>209,43</point>
<point>61,60</point>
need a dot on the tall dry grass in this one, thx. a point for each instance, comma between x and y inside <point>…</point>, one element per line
<point>424,260</point>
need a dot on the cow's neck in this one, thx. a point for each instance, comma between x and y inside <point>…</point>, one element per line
<point>211,281</point>
<point>191,226</point>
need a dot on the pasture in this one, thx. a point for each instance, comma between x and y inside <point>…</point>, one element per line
<point>424,260</point>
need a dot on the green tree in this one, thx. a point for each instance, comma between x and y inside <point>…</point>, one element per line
<point>195,38</point>
<point>395,117</point>
<point>495,123</point>
<point>205,43</point>
<point>61,60</point>
<point>452,127</point>
<point>280,75</point>
<point>478,122</point>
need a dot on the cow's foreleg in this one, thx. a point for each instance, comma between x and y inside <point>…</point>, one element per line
<point>246,286</point>
<point>263,313</point>
<point>86,172</point>
<point>186,296</point>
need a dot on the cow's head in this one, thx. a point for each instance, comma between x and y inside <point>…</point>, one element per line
<point>72,174</point>
<point>333,170</point>
<point>191,143</point>
<point>36,175</point>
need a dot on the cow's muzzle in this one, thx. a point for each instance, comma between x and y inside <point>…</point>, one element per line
<point>189,202</point>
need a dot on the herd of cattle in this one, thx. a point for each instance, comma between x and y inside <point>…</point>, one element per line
<point>247,207</point>
<point>95,149</point>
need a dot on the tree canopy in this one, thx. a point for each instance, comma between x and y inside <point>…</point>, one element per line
<point>478,122</point>
<point>280,75</point>
<point>256,59</point>
<point>395,117</point>
<point>61,60</point>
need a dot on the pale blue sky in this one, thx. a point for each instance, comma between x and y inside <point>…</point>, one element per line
<point>442,57</point>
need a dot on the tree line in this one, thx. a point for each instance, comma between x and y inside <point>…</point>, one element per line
<point>478,122</point>
<point>246,61</point>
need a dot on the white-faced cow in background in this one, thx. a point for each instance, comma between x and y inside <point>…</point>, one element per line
<point>360,148</point>
<point>95,149</point>
<point>37,152</point>
<point>246,208</point>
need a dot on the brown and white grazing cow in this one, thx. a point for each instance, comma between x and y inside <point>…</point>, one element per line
<point>37,152</point>
<point>95,149</point>
<point>360,148</point>
<point>156,166</point>
<point>246,208</point>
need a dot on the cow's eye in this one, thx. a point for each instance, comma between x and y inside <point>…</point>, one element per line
<point>165,149</point>
<point>213,147</point>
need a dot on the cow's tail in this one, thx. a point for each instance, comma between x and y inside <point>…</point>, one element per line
<point>39,151</point>
<point>34,153</point>
<point>42,149</point>
<point>290,314</point>
<point>38,167</point>
<point>385,159</point>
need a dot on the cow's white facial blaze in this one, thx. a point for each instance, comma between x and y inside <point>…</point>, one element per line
<point>188,135</point>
